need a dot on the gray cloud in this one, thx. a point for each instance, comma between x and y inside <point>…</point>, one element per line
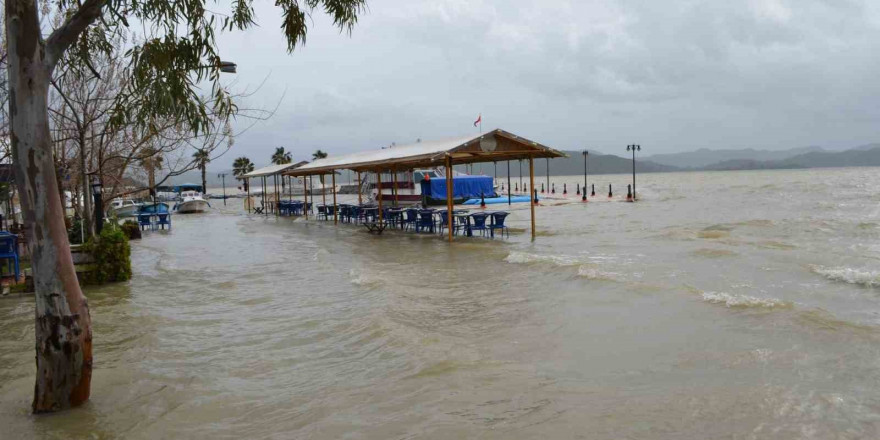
<point>672,75</point>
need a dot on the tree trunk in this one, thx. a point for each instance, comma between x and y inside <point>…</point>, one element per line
<point>87,201</point>
<point>63,325</point>
<point>204,181</point>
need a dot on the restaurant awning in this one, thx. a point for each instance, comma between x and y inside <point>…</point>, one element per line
<point>272,170</point>
<point>496,145</point>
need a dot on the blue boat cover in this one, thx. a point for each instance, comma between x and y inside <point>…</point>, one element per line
<point>462,187</point>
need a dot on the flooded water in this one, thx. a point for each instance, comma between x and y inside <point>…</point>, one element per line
<point>722,305</point>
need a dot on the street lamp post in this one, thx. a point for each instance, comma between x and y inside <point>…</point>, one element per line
<point>222,177</point>
<point>584,197</point>
<point>634,148</point>
<point>98,193</point>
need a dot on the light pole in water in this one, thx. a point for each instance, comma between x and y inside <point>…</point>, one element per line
<point>585,153</point>
<point>223,178</point>
<point>634,148</point>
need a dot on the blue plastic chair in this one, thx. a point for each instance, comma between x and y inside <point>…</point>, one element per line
<point>410,218</point>
<point>498,223</point>
<point>444,223</point>
<point>145,220</point>
<point>163,220</point>
<point>426,221</point>
<point>479,222</point>
<point>9,251</point>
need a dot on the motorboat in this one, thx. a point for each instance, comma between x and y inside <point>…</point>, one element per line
<point>191,202</point>
<point>124,207</point>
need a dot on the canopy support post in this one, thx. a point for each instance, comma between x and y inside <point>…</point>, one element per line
<point>449,196</point>
<point>360,198</point>
<point>335,216</point>
<point>509,189</point>
<point>306,196</point>
<point>532,192</point>
<point>394,178</point>
<point>324,195</point>
<point>379,195</point>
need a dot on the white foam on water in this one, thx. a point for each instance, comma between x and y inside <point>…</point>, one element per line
<point>360,278</point>
<point>743,301</point>
<point>594,273</point>
<point>527,258</point>
<point>867,278</point>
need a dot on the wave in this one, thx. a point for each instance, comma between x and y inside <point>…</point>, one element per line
<point>865,278</point>
<point>360,278</point>
<point>593,273</point>
<point>744,301</point>
<point>527,258</point>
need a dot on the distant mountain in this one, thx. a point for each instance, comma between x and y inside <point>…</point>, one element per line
<point>574,166</point>
<point>866,156</point>
<point>705,157</point>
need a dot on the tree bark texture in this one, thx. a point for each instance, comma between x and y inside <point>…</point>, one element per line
<point>63,325</point>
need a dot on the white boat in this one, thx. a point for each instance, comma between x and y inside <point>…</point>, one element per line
<point>191,202</point>
<point>124,207</point>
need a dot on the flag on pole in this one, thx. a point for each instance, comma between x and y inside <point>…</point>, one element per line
<point>479,120</point>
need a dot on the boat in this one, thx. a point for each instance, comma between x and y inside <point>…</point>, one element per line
<point>124,207</point>
<point>428,187</point>
<point>191,202</point>
<point>154,208</point>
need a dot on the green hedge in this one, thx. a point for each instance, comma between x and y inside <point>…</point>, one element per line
<point>112,255</point>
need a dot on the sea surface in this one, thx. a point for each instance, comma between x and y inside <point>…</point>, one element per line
<point>723,305</point>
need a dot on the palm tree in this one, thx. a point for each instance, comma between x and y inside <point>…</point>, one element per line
<point>151,160</point>
<point>318,155</point>
<point>201,157</point>
<point>240,167</point>
<point>281,157</point>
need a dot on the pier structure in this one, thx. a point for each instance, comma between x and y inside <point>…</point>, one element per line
<point>493,146</point>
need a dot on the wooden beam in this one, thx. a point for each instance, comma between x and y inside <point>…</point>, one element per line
<point>306,196</point>
<point>248,205</point>
<point>449,196</point>
<point>324,195</point>
<point>335,216</point>
<point>532,192</point>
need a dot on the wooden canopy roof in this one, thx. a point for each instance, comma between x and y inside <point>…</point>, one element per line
<point>494,146</point>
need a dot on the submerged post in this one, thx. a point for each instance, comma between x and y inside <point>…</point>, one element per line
<point>335,216</point>
<point>532,195</point>
<point>449,196</point>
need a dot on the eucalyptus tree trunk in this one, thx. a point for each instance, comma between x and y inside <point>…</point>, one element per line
<point>62,325</point>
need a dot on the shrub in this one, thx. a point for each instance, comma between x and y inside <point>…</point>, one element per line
<point>112,255</point>
<point>131,229</point>
<point>75,233</point>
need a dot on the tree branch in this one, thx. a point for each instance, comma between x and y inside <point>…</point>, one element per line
<point>67,34</point>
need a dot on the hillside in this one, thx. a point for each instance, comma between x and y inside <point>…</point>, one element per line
<point>705,157</point>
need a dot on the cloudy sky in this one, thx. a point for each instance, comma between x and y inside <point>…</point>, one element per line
<point>672,75</point>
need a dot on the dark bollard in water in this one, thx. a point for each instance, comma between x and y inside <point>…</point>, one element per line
<point>593,193</point>
<point>553,189</point>
<point>564,189</point>
<point>542,188</point>
<point>516,187</point>
<point>536,196</point>
<point>579,189</point>
<point>629,194</point>
<point>610,194</point>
